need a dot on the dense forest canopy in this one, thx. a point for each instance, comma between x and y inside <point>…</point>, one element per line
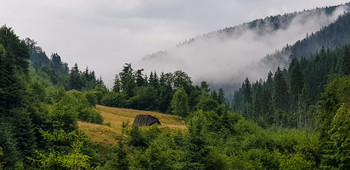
<point>298,118</point>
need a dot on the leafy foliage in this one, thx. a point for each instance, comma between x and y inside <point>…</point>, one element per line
<point>179,104</point>
<point>334,124</point>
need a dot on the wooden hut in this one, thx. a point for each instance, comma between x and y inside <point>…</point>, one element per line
<point>145,120</point>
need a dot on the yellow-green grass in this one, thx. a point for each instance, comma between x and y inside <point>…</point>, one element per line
<point>99,133</point>
<point>114,118</point>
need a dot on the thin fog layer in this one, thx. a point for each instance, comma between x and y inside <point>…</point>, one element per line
<point>224,59</point>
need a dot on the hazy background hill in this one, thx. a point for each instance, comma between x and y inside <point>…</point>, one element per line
<point>225,57</point>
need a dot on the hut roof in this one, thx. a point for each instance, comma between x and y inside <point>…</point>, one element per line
<point>145,120</point>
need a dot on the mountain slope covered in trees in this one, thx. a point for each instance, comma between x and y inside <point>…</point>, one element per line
<point>223,58</point>
<point>290,93</point>
<point>329,37</point>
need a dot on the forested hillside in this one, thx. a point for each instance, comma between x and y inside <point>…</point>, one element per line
<point>58,71</point>
<point>56,117</point>
<point>38,119</point>
<point>329,37</point>
<point>292,93</point>
<point>254,48</point>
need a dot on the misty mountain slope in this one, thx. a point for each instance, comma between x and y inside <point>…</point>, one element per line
<point>226,57</point>
<point>268,24</point>
<point>330,37</point>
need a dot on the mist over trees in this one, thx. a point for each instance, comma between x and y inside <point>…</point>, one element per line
<point>254,48</point>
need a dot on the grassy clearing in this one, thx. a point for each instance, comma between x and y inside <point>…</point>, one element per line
<point>114,118</point>
<point>99,133</point>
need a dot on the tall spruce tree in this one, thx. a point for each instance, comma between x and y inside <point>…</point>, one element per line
<point>221,96</point>
<point>75,78</point>
<point>116,86</point>
<point>165,92</point>
<point>258,100</point>
<point>345,62</point>
<point>247,97</point>
<point>139,78</point>
<point>14,56</point>
<point>127,79</point>
<point>296,83</point>
<point>334,124</point>
<point>280,92</point>
<point>154,80</point>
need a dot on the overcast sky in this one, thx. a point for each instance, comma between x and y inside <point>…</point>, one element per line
<point>105,34</point>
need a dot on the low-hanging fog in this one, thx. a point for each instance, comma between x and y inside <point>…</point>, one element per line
<point>225,59</point>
